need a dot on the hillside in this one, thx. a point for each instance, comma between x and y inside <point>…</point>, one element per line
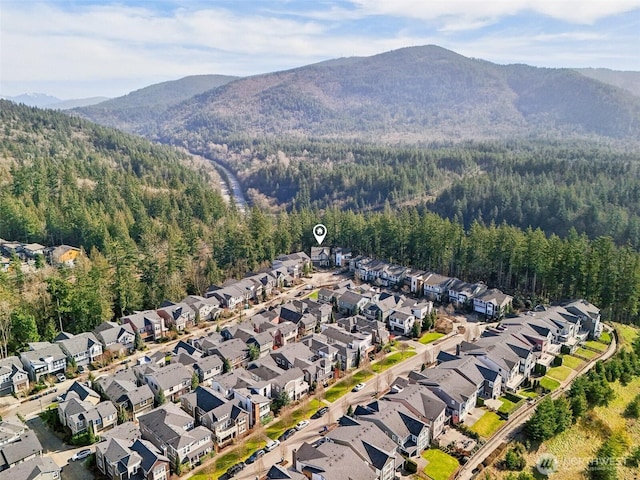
<point>138,111</point>
<point>412,94</point>
<point>629,81</point>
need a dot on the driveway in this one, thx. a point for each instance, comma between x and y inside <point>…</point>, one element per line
<point>59,452</point>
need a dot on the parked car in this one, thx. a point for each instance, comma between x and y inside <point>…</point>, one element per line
<point>255,456</point>
<point>320,412</point>
<point>82,369</point>
<point>81,455</point>
<point>359,387</point>
<point>287,434</point>
<point>235,469</point>
<point>60,398</point>
<point>272,445</point>
<point>61,377</point>
<point>301,424</point>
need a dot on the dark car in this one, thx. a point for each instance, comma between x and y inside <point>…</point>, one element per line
<point>287,434</point>
<point>320,412</point>
<point>255,456</point>
<point>235,469</point>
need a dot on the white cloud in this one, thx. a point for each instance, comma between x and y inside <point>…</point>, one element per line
<point>573,11</point>
<point>87,50</point>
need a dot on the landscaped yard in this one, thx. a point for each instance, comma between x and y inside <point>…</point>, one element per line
<point>441,465</point>
<point>430,337</point>
<point>314,295</point>
<point>487,425</point>
<point>549,383</point>
<point>583,352</point>
<point>605,337</point>
<point>344,386</point>
<point>528,393</point>
<point>507,405</point>
<point>572,362</point>
<point>601,347</point>
<point>391,360</point>
<point>559,373</point>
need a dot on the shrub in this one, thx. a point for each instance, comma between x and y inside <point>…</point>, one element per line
<point>480,402</point>
<point>410,466</point>
<point>557,361</point>
<point>514,461</point>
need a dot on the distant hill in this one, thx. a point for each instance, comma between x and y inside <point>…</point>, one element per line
<point>34,99</point>
<point>77,103</point>
<point>629,81</point>
<point>413,94</point>
<point>138,111</point>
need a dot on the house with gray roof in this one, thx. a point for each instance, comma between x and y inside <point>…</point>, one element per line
<point>37,468</point>
<point>278,472</point>
<point>492,303</point>
<point>409,432</point>
<point>402,321</point>
<point>351,303</point>
<point>177,315</point>
<point>43,358</point>
<point>290,381</point>
<point>207,343</point>
<point>423,404</point>
<point>462,293</point>
<point>589,315</point>
<point>137,400</point>
<point>331,461</point>
<point>205,309</point>
<point>173,381</point>
<point>13,377</point>
<point>11,430</point>
<point>115,337</point>
<point>285,333</point>
<point>22,449</point>
<point>148,324</point>
<point>455,390</point>
<point>173,431</point>
<point>80,415</point>
<point>371,444</point>
<point>207,368</point>
<point>83,348</point>
<point>226,419</point>
<point>286,356</point>
<point>120,459</point>
<point>436,287</point>
<point>230,297</point>
<point>256,405</point>
<point>321,257</point>
<point>84,393</point>
<point>234,351</point>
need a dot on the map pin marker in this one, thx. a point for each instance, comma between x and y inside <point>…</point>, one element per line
<point>319,231</point>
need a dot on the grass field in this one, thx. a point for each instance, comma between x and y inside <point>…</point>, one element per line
<point>344,386</point>
<point>391,360</point>
<point>577,445</point>
<point>628,333</point>
<point>430,337</point>
<point>528,393</point>
<point>314,295</point>
<point>559,373</point>
<point>441,465</point>
<point>487,425</point>
<point>601,347</point>
<point>572,362</point>
<point>507,405</point>
<point>605,337</point>
<point>586,353</point>
<point>549,383</point>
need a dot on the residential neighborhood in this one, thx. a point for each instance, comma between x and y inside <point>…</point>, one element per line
<point>213,389</point>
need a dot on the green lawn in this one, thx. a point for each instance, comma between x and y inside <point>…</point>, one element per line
<point>314,295</point>
<point>549,383</point>
<point>628,333</point>
<point>583,352</point>
<point>605,337</point>
<point>507,405</point>
<point>559,373</point>
<point>487,425</point>
<point>344,386</point>
<point>528,393</point>
<point>430,337</point>
<point>441,465</point>
<point>391,360</point>
<point>572,362</point>
<point>601,347</point>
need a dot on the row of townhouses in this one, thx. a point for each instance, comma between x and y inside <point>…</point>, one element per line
<point>371,444</point>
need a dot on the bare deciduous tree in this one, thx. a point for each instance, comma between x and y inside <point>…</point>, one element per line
<point>5,327</point>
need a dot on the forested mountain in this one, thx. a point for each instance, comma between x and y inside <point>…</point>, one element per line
<point>626,80</point>
<point>411,94</point>
<point>138,111</point>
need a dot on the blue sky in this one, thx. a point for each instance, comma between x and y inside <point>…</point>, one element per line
<point>75,49</point>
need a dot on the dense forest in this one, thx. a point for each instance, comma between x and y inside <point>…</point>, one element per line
<point>554,186</point>
<point>153,228</point>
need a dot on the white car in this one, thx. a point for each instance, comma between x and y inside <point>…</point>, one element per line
<point>301,424</point>
<point>272,445</point>
<point>359,387</point>
<point>81,455</point>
